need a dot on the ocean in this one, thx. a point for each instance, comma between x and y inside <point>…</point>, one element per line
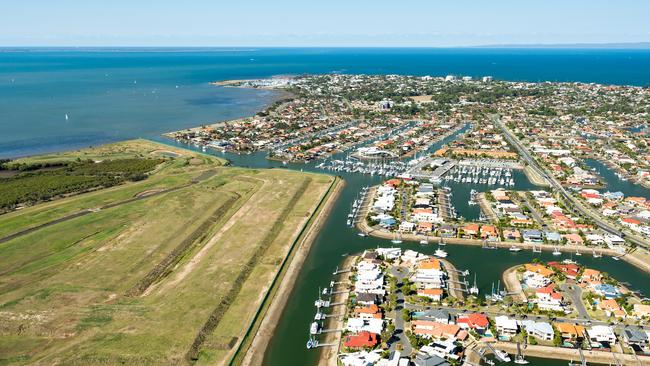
<point>117,94</point>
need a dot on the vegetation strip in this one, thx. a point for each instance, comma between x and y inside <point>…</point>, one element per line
<point>163,268</point>
<point>221,308</point>
<point>263,309</point>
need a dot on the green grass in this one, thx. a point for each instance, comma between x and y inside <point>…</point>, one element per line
<point>72,279</point>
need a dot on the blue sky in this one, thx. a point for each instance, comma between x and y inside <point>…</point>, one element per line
<point>320,23</point>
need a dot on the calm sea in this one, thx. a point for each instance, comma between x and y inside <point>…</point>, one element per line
<point>116,94</point>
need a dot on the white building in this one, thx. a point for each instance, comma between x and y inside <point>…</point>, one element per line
<point>601,333</point>
<point>506,327</point>
<point>357,325</point>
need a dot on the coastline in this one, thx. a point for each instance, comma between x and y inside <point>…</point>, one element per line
<point>273,307</point>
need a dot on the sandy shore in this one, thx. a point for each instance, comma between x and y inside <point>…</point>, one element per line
<point>513,285</point>
<point>534,177</point>
<point>256,351</point>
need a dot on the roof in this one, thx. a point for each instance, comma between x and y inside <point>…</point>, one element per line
<point>430,263</point>
<point>474,320</point>
<point>568,328</point>
<point>363,339</point>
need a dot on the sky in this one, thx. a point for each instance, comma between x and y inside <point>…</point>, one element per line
<point>351,23</point>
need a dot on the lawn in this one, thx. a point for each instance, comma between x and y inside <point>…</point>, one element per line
<point>158,280</point>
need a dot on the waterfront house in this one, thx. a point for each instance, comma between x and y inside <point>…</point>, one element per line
<point>549,299</point>
<point>540,330</point>
<point>532,236</point>
<point>570,270</point>
<point>607,290</point>
<point>506,327</point>
<point>570,332</point>
<point>634,336</point>
<point>535,280</point>
<point>489,232</point>
<point>389,253</point>
<point>573,239</point>
<point>424,227</point>
<point>476,321</point>
<point>361,340</point>
<point>367,312</point>
<point>471,230</point>
<point>552,236</point>
<point>447,231</point>
<point>641,311</point>
<point>358,325</point>
<point>591,276</point>
<point>365,298</point>
<point>434,294</point>
<point>539,269</point>
<point>361,358</point>
<point>511,234</point>
<point>406,226</point>
<point>429,275</point>
<point>601,336</point>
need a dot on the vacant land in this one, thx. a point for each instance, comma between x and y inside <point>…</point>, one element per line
<point>167,270</point>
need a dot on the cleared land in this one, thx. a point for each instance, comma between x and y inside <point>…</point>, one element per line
<point>167,270</point>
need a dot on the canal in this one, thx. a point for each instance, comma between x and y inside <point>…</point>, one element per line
<point>336,240</point>
<point>614,183</point>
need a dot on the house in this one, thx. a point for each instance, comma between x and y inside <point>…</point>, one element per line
<point>570,332</point>
<point>361,340</point>
<point>607,290</point>
<point>477,322</point>
<point>437,315</point>
<point>365,298</point>
<point>368,312</point>
<point>407,226</point>
<point>360,358</point>
<point>540,330</point>
<point>423,359</point>
<point>573,239</point>
<point>431,329</point>
<point>601,335</point>
<point>434,294</point>
<point>570,270</point>
<point>591,276</point>
<point>635,337</point>
<point>532,236</point>
<point>424,227</point>
<point>611,308</point>
<point>552,236</point>
<point>447,231</point>
<point>489,232</point>
<point>358,325</point>
<point>511,234</point>
<point>539,269</point>
<point>506,327</point>
<point>471,230</point>
<point>442,348</point>
<point>641,310</point>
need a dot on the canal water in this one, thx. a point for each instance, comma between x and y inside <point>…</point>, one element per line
<point>614,183</point>
<point>336,240</point>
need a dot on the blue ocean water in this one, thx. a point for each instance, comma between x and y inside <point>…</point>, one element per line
<point>116,94</point>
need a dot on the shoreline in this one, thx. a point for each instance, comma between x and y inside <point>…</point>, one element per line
<point>513,285</point>
<point>559,353</point>
<point>255,353</point>
<point>535,178</point>
<point>329,355</point>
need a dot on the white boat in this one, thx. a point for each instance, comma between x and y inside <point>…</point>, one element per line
<point>474,289</point>
<point>440,253</point>
<point>66,117</point>
<point>314,328</point>
<point>616,258</point>
<point>515,249</point>
<point>363,235</point>
<point>424,242</point>
<point>521,361</point>
<point>556,251</point>
<point>502,355</point>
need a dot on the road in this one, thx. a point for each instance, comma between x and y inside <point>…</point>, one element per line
<point>400,274</point>
<point>533,210</point>
<point>575,292</point>
<point>575,205</point>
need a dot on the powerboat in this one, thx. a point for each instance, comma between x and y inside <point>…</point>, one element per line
<point>515,249</point>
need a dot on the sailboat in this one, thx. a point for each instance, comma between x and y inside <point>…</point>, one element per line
<point>474,289</point>
<point>396,239</point>
<point>597,255</point>
<point>556,251</point>
<point>519,358</point>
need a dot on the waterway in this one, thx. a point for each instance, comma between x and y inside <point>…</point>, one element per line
<point>336,240</point>
<point>614,183</point>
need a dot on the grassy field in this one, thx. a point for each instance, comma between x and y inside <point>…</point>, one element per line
<point>173,277</point>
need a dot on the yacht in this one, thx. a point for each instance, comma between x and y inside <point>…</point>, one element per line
<point>502,355</point>
<point>315,328</point>
<point>363,235</point>
<point>440,253</point>
<point>616,258</point>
